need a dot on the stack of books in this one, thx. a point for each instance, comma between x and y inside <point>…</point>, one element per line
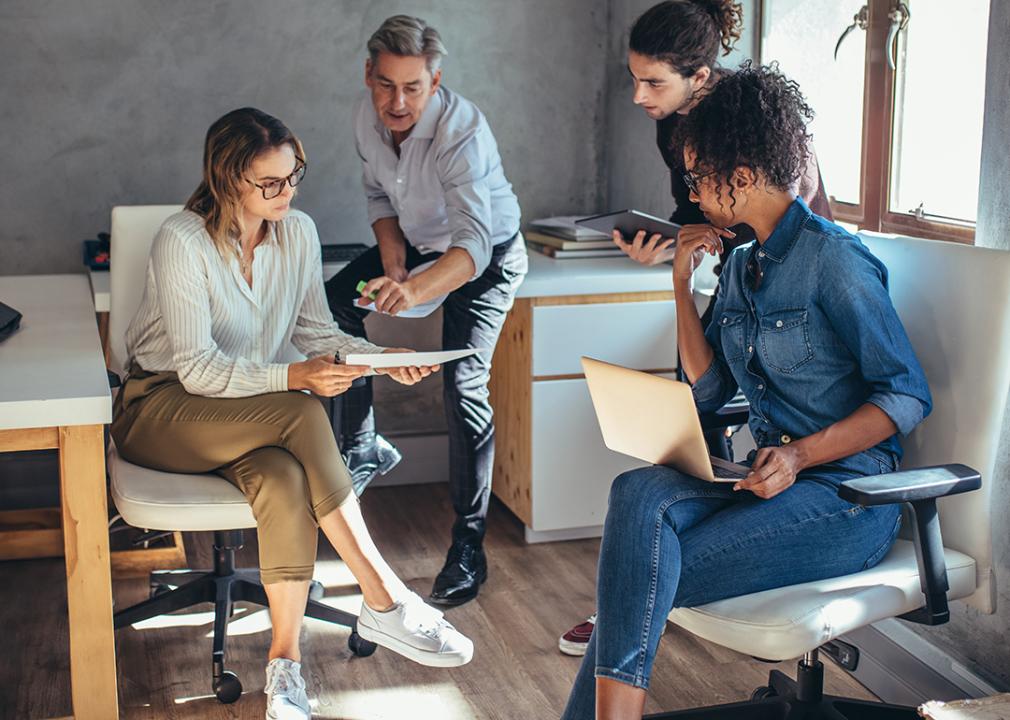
<point>560,237</point>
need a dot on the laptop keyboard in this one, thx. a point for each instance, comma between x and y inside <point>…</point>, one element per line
<point>724,472</point>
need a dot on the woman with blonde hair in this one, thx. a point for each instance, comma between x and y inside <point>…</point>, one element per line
<point>232,282</point>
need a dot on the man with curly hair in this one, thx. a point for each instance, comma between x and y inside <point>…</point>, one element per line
<point>804,326</point>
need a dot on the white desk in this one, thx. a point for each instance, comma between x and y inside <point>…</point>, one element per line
<point>54,394</point>
<point>552,278</point>
<point>551,467</point>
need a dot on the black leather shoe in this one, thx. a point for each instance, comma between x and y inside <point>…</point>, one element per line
<point>367,461</point>
<point>464,571</point>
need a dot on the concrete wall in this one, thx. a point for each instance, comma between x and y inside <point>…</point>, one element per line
<point>107,103</point>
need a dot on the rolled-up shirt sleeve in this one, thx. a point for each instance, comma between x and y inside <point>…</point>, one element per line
<point>716,386</point>
<point>464,166</point>
<point>184,298</point>
<point>857,303</point>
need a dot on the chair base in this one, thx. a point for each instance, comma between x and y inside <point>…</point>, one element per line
<point>802,699</point>
<point>224,585</point>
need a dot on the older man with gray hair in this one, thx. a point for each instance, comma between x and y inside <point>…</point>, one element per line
<point>437,197</point>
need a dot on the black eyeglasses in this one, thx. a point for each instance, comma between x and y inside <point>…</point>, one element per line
<point>275,187</point>
<point>754,273</point>
<point>691,180</point>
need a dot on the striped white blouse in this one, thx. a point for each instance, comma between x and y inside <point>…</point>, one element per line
<point>200,319</point>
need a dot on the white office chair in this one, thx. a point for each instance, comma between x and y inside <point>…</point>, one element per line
<point>953,302</point>
<point>156,500</point>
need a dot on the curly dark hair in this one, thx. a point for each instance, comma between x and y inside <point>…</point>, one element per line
<point>756,118</point>
<point>687,34</point>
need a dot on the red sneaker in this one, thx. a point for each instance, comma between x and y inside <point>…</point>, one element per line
<point>574,641</point>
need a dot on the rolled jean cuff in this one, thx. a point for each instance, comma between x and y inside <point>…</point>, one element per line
<point>286,574</point>
<point>637,681</point>
<point>330,503</point>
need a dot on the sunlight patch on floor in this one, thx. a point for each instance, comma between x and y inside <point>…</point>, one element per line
<point>252,621</point>
<point>191,619</point>
<point>441,701</point>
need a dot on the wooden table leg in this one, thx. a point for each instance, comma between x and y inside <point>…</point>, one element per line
<point>89,577</point>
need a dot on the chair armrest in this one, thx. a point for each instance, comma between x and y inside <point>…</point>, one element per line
<point>920,488</point>
<point>911,485</point>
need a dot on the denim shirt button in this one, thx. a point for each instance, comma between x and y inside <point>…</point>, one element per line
<point>785,439</point>
<point>761,386</point>
<point>778,323</point>
<point>750,348</point>
<point>725,320</point>
<point>761,253</point>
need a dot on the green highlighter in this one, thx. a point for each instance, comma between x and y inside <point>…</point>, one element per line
<point>361,288</point>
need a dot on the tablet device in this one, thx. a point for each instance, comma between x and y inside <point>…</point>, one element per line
<point>415,359</point>
<point>629,222</point>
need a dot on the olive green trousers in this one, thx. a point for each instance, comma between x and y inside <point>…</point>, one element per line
<point>277,448</point>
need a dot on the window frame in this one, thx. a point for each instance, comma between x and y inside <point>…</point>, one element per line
<point>875,174</point>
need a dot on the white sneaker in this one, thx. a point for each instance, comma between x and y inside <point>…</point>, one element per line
<point>417,631</point>
<point>285,690</point>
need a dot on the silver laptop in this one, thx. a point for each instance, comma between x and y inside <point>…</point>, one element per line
<point>653,419</point>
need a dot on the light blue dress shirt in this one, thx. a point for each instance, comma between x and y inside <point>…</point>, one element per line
<point>447,188</point>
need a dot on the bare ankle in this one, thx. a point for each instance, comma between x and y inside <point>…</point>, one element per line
<point>379,602</point>
<point>284,654</point>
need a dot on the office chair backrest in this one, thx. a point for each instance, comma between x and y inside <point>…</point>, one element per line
<point>132,234</point>
<point>954,301</point>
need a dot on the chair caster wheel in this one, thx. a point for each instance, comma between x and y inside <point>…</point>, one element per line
<point>763,692</point>
<point>227,688</point>
<point>158,588</point>
<point>316,590</point>
<point>359,646</point>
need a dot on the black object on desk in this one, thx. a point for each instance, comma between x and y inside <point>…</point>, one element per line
<point>96,252</point>
<point>342,253</point>
<point>10,320</point>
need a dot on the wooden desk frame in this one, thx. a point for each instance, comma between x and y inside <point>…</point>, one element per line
<point>84,518</point>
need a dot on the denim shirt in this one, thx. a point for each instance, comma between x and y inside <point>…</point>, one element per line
<point>818,339</point>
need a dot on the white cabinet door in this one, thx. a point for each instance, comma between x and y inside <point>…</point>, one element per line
<point>640,335</point>
<point>572,468</point>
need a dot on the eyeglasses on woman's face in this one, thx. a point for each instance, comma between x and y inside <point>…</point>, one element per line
<point>275,187</point>
<point>691,180</point>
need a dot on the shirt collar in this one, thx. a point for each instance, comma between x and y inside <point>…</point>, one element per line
<point>424,128</point>
<point>784,236</point>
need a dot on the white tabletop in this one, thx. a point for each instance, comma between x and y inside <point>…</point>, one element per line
<point>591,276</point>
<point>52,371</point>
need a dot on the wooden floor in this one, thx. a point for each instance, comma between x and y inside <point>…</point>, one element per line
<point>534,593</point>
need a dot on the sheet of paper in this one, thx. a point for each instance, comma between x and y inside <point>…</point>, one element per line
<point>387,360</point>
<point>418,311</point>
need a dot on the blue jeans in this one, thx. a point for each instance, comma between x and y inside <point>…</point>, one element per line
<point>671,540</point>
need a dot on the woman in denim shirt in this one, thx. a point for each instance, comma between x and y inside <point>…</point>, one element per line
<point>805,327</point>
